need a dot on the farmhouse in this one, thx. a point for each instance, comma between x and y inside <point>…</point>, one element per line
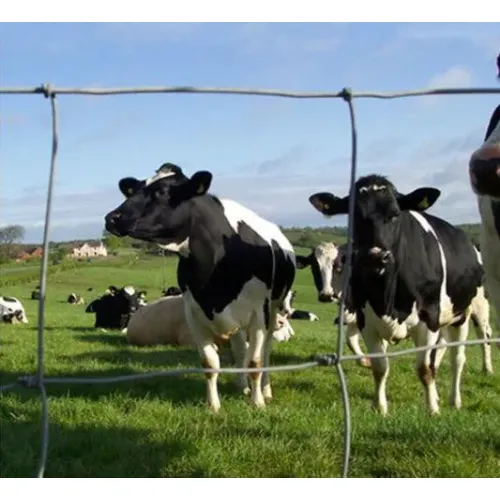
<point>30,253</point>
<point>88,250</point>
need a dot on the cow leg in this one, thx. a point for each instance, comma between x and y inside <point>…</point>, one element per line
<point>482,328</point>
<point>353,336</point>
<point>457,361</point>
<point>253,356</point>
<point>438,355</point>
<point>239,348</point>
<point>425,366</point>
<point>266,376</point>
<point>380,367</point>
<point>209,359</point>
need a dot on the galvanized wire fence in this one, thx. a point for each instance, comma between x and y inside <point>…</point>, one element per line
<point>39,381</point>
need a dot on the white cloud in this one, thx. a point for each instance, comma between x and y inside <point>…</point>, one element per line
<point>278,188</point>
<point>484,36</point>
<point>456,76</point>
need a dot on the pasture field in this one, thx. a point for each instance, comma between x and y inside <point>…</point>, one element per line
<point>161,427</point>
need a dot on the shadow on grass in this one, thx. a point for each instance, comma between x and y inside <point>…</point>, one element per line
<point>87,450</point>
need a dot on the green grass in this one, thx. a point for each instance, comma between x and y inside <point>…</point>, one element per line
<point>161,427</point>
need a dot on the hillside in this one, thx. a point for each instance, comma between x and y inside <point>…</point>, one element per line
<point>299,236</point>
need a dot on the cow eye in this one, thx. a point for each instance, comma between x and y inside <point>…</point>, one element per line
<point>157,193</point>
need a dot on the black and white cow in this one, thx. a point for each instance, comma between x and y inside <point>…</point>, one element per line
<point>325,262</point>
<point>12,310</point>
<point>480,309</point>
<point>171,291</point>
<point>425,288</point>
<point>234,270</point>
<point>293,313</point>
<point>75,299</point>
<point>114,308</point>
<point>484,173</point>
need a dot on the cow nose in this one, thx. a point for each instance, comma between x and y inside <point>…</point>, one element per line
<point>484,170</point>
<point>387,257</point>
<point>113,217</point>
<point>325,297</point>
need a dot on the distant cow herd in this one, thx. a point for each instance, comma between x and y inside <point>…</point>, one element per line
<point>413,275</point>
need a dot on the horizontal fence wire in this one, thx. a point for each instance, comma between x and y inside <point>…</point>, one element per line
<point>334,359</point>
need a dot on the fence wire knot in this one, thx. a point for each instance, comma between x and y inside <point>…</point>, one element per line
<point>327,359</point>
<point>30,381</point>
<point>46,90</point>
<point>346,94</point>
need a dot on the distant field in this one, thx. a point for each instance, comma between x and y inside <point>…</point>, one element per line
<point>161,427</point>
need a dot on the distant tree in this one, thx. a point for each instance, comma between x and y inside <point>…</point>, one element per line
<point>9,236</point>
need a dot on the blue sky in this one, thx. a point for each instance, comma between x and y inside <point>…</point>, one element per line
<point>267,153</point>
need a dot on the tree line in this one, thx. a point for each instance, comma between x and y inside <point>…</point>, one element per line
<point>12,238</point>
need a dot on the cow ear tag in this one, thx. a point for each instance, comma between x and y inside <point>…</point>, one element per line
<point>424,203</point>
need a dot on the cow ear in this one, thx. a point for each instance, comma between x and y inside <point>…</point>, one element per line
<point>302,261</point>
<point>200,182</point>
<point>197,185</point>
<point>129,185</point>
<point>419,200</point>
<point>328,204</point>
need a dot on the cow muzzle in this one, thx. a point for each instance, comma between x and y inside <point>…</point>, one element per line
<point>484,171</point>
<point>113,222</point>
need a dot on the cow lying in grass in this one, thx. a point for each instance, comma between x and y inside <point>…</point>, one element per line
<point>164,322</point>
<point>114,309</point>
<point>12,311</point>
<point>75,300</point>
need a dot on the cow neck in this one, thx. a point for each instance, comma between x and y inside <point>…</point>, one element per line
<point>208,229</point>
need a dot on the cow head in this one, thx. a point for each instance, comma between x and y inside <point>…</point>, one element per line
<point>323,261</point>
<point>377,209</point>
<point>484,163</point>
<point>158,209</point>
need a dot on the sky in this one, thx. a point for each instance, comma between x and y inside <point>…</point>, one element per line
<point>268,153</point>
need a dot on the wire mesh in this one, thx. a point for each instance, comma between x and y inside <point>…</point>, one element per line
<point>336,359</point>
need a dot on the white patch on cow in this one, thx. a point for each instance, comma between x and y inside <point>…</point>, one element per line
<point>181,248</point>
<point>268,231</point>
<point>446,315</point>
<point>325,254</point>
<point>159,175</point>
<point>287,302</point>
<point>479,258</point>
<point>129,290</point>
<point>390,328</point>
<point>373,187</point>
<point>236,314</point>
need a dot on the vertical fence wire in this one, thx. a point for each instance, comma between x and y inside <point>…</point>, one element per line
<point>39,381</point>
<point>347,96</point>
<point>43,285</point>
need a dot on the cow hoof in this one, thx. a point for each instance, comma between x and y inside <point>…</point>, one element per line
<point>365,362</point>
<point>214,408</point>
<point>380,409</point>
<point>260,404</point>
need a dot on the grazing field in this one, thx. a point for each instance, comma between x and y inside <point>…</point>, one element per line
<point>161,428</point>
